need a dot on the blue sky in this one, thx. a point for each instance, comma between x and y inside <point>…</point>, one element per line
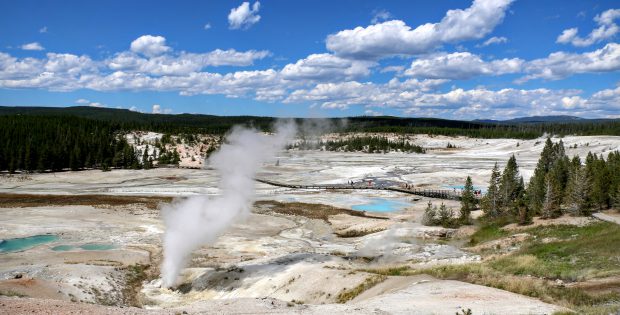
<point>452,59</point>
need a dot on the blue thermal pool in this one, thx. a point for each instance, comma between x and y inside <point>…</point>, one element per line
<point>23,243</point>
<point>381,205</point>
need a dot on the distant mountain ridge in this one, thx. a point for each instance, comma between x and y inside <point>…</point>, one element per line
<point>84,129</point>
<point>523,127</point>
<point>125,114</point>
<point>535,119</point>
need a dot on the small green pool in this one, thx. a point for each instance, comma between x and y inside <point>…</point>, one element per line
<point>89,246</point>
<point>62,248</point>
<point>24,243</point>
<point>95,246</point>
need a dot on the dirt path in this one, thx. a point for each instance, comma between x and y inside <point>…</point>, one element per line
<point>608,217</point>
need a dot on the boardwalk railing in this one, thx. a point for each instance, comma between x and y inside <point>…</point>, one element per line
<point>431,193</point>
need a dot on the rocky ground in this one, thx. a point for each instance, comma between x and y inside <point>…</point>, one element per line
<point>298,263</point>
<point>298,252</point>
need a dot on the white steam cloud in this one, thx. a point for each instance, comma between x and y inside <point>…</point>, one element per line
<point>200,220</point>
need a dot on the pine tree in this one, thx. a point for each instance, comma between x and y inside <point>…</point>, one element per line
<point>42,164</point>
<point>28,159</point>
<point>597,171</point>
<point>551,156</point>
<point>468,200</point>
<point>491,201</point>
<point>560,171</point>
<point>573,168</point>
<point>536,188</point>
<point>613,168</point>
<point>145,158</point>
<point>551,205</point>
<point>615,198</point>
<point>522,211</point>
<point>430,215</point>
<point>578,193</point>
<point>175,157</point>
<point>445,216</point>
<point>509,184</point>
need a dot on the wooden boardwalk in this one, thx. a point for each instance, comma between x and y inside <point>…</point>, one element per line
<point>431,193</point>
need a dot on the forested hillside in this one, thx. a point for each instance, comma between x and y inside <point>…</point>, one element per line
<point>42,138</point>
<point>54,143</point>
<point>209,124</point>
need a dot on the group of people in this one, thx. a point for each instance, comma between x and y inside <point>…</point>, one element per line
<point>352,183</point>
<point>477,193</point>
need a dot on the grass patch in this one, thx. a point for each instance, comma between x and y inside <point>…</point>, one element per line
<point>487,232</point>
<point>566,252</point>
<point>579,253</point>
<point>308,210</point>
<point>370,282</point>
<point>482,274</point>
<point>357,233</point>
<point>391,271</point>
<point>11,293</point>
<point>32,200</point>
<point>134,276</point>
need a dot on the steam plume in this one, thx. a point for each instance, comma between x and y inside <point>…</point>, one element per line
<point>199,220</point>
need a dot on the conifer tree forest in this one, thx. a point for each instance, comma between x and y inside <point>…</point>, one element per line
<point>54,139</point>
<point>364,144</point>
<point>34,143</point>
<point>559,185</point>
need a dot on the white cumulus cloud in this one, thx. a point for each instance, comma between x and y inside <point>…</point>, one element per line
<point>326,67</point>
<point>380,16</point>
<point>396,38</point>
<point>494,40</point>
<point>150,45</point>
<point>32,46</point>
<point>157,109</point>
<point>461,65</point>
<point>149,57</point>
<point>559,65</point>
<point>243,17</point>
<point>607,29</point>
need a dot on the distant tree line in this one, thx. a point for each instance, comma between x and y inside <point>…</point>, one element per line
<point>35,143</point>
<point>166,156</point>
<point>130,120</point>
<point>481,130</point>
<point>209,124</point>
<point>37,138</point>
<point>370,144</point>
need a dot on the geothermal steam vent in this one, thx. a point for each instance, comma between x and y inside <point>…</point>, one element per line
<point>199,220</point>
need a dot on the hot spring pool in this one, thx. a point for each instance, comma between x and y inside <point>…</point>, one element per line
<point>23,243</point>
<point>89,246</point>
<point>62,248</point>
<point>94,246</point>
<point>381,205</point>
